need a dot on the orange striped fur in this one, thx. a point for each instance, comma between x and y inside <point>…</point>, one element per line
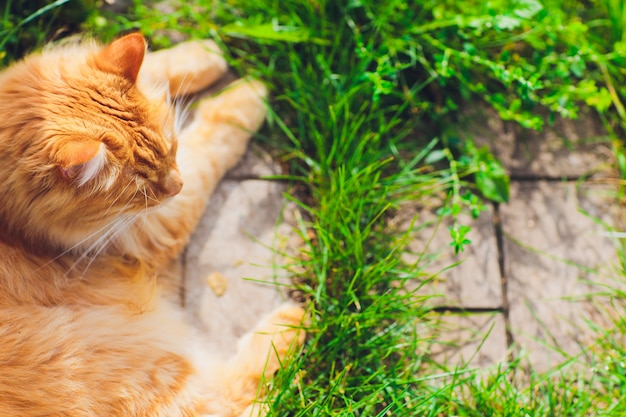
<point>99,193</point>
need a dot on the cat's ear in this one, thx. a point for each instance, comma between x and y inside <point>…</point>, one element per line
<point>123,56</point>
<point>80,159</point>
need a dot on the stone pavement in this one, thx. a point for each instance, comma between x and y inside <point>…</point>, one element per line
<point>510,291</point>
<point>521,287</point>
<point>230,270</point>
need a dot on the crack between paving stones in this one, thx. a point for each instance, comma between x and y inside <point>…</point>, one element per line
<point>497,224</point>
<point>472,310</point>
<point>547,178</point>
<point>257,178</point>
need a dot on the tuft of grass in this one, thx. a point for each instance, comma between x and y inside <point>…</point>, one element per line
<point>345,142</point>
<point>25,24</point>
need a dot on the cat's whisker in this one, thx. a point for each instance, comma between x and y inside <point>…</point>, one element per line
<point>149,198</point>
<point>91,235</point>
<point>70,249</point>
<point>93,249</point>
<point>143,215</point>
<point>116,230</point>
<point>182,86</point>
<point>169,99</point>
<point>180,104</point>
<point>145,195</point>
<point>153,197</point>
<point>182,109</point>
<point>145,212</point>
<point>90,249</point>
<point>102,241</point>
<point>117,198</point>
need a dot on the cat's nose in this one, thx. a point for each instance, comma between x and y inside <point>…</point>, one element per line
<point>172,184</point>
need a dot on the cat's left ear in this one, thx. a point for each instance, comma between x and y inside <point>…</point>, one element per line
<point>80,159</point>
<point>123,56</point>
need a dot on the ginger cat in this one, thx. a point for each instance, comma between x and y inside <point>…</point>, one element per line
<point>101,190</point>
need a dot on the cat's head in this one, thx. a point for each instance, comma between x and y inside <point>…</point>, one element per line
<point>82,148</point>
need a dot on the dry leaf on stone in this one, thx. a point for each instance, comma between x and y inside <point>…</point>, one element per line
<point>218,283</point>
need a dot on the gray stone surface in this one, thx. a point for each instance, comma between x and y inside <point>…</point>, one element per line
<point>255,164</point>
<point>475,280</point>
<point>476,340</point>
<point>551,251</point>
<point>566,149</point>
<point>231,253</point>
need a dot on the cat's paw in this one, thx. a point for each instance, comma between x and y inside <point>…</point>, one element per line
<point>201,61</point>
<point>259,355</point>
<point>223,125</point>
<point>241,105</point>
<point>279,335</point>
<point>256,409</point>
<point>285,323</point>
<point>189,67</point>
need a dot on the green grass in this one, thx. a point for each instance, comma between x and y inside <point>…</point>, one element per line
<point>365,96</point>
<point>25,24</point>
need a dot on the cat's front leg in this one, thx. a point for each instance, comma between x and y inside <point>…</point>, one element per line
<point>187,68</point>
<point>221,129</point>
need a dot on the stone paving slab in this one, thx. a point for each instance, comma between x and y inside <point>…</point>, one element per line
<point>230,253</point>
<point>566,149</point>
<point>476,340</point>
<point>475,280</point>
<point>256,163</point>
<point>551,250</point>
<point>542,227</point>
